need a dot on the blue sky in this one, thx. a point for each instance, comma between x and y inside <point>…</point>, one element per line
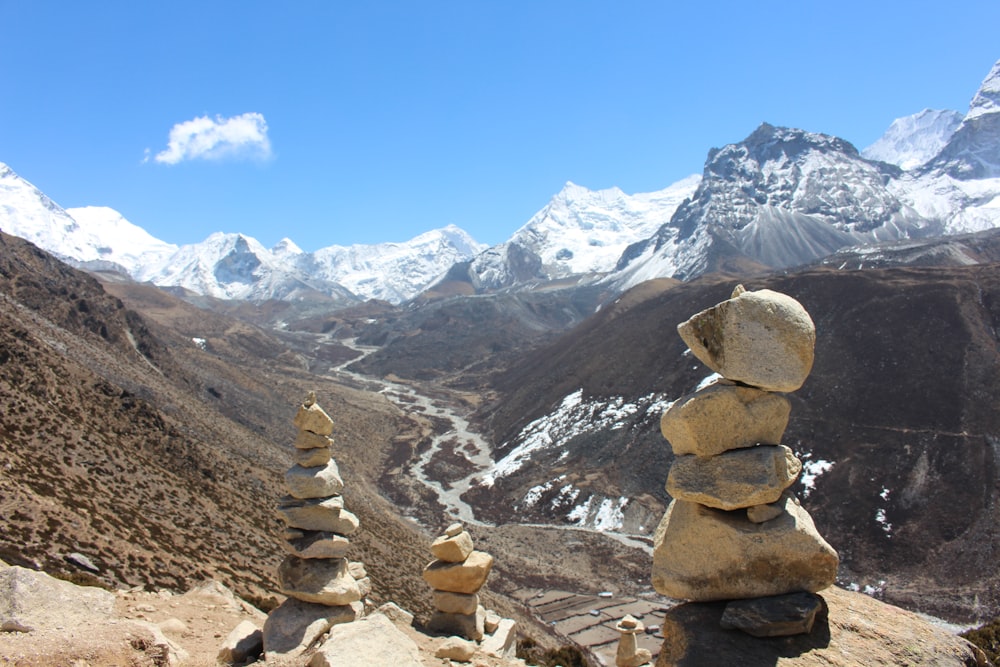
<point>336,123</point>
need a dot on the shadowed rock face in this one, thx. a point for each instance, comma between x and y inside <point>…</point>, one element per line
<point>853,629</point>
<point>902,399</point>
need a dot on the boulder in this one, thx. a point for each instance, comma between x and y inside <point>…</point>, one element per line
<point>457,649</point>
<point>857,631</point>
<point>314,419</point>
<point>318,544</point>
<point>452,549</point>
<point>724,416</point>
<point>371,642</point>
<point>35,600</point>
<point>734,480</point>
<point>465,577</point>
<point>319,514</point>
<point>323,581</point>
<point>456,603</point>
<point>500,642</point>
<point>294,625</point>
<point>765,339</point>
<point>701,553</point>
<point>245,641</point>
<point>470,626</point>
<point>319,482</point>
<point>775,616</point>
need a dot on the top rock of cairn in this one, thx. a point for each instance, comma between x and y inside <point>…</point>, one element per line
<point>764,339</point>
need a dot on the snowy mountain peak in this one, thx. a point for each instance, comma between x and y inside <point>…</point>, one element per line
<point>987,99</point>
<point>91,237</point>
<point>580,231</point>
<point>286,248</point>
<point>973,151</point>
<point>913,140</point>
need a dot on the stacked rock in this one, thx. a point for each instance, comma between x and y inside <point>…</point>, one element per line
<point>456,575</point>
<point>629,654</point>
<point>319,581</point>
<point>733,529</point>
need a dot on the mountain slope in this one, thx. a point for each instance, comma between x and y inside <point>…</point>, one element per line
<point>161,457</point>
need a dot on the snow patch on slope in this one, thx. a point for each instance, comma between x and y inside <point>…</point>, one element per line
<point>573,417</point>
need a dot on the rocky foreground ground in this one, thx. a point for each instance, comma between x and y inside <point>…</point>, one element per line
<point>47,622</point>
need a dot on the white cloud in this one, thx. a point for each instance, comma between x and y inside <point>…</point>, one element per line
<point>204,138</point>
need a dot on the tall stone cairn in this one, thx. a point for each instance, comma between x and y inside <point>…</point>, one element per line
<point>456,574</point>
<point>734,530</point>
<point>322,586</point>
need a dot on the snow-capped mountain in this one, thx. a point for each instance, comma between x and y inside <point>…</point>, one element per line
<point>579,231</point>
<point>235,266</point>
<point>229,266</point>
<point>960,186</point>
<point>781,197</point>
<point>913,140</point>
<point>93,237</point>
<point>393,272</point>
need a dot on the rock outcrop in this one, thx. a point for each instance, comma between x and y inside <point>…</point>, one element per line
<point>323,587</point>
<point>734,530</point>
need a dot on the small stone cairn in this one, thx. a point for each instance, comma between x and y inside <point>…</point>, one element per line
<point>733,530</point>
<point>322,586</point>
<point>456,575</point>
<point>629,654</point>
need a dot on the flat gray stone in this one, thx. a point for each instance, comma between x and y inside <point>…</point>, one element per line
<point>775,616</point>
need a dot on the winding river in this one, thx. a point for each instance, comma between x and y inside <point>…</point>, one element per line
<point>467,443</point>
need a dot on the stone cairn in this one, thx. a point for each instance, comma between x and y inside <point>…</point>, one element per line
<point>322,586</point>
<point>456,575</point>
<point>629,654</point>
<point>733,530</point>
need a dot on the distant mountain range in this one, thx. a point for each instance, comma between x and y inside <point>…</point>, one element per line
<point>780,198</point>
